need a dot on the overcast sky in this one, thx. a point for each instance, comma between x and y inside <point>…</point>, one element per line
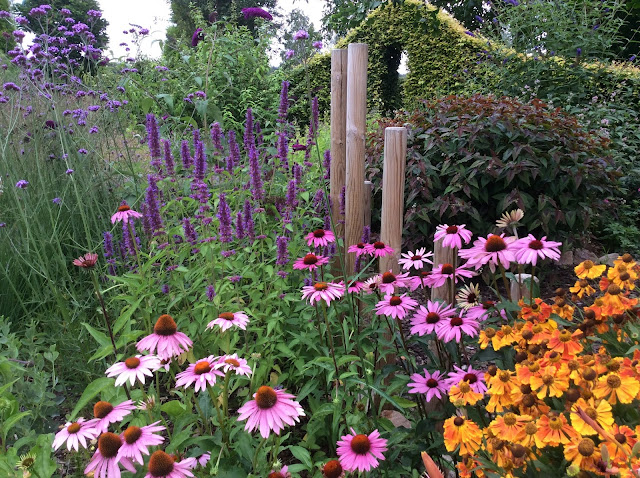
<point>155,15</point>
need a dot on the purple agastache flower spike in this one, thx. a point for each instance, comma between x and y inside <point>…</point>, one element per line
<point>234,152</point>
<point>216,137</point>
<point>153,208</point>
<point>318,201</point>
<point>343,200</point>
<point>282,243</point>
<point>247,212</point>
<point>327,164</point>
<point>108,252</point>
<point>291,200</point>
<point>185,154</point>
<point>153,136</point>
<point>249,138</point>
<point>168,157</point>
<point>284,102</point>
<point>297,174</point>
<point>130,242</point>
<point>224,216</point>
<point>189,232</point>
<point>211,292</point>
<point>240,234</point>
<point>256,174</point>
<point>200,170</point>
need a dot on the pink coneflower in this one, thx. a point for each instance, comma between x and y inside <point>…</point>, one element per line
<point>162,465</point>
<point>493,250</point>
<point>105,460</point>
<point>226,320</point>
<point>529,249</point>
<point>425,320</point>
<point>359,249</point>
<point>440,274</point>
<point>270,409</point>
<point>419,281</point>
<point>233,362</point>
<point>481,312</point>
<point>310,262</point>
<point>389,281</point>
<point>475,378</point>
<point>124,214</point>
<point>452,236</point>
<point>372,284</point>
<point>417,259</point>
<point>320,237</point>
<point>452,328</point>
<point>431,384</point>
<point>165,341</point>
<point>202,373</point>
<point>134,367</point>
<point>332,469</point>
<point>361,452</point>
<point>327,291</point>
<point>137,439</point>
<point>396,306</point>
<point>283,473</point>
<point>106,414</point>
<point>379,249</point>
<point>87,261</point>
<point>76,432</point>
<point>204,459</point>
<point>355,286</point>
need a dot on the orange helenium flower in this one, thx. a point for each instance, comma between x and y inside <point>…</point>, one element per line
<point>550,382</point>
<point>555,430</point>
<point>599,411</point>
<point>462,432</point>
<point>588,270</point>
<point>617,388</point>
<point>509,425</point>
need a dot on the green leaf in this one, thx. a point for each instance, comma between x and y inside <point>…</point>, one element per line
<point>173,408</point>
<point>303,455</point>
<point>125,316</point>
<point>10,422</point>
<point>404,403</point>
<point>92,390</point>
<point>100,337</point>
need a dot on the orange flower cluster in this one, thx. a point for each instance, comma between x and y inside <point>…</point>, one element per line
<point>572,386</point>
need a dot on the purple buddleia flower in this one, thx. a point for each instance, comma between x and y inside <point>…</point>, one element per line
<point>185,155</point>
<point>282,243</point>
<point>211,292</point>
<point>239,226</point>
<point>292,202</point>
<point>256,12</point>
<point>168,157</point>
<point>189,232</point>
<point>249,138</point>
<point>234,152</point>
<point>255,174</point>
<point>301,35</point>
<point>247,212</point>
<point>200,170</point>
<point>216,137</point>
<point>153,208</point>
<point>153,138</point>
<point>224,216</point>
<point>327,164</point>
<point>197,37</point>
<point>108,252</point>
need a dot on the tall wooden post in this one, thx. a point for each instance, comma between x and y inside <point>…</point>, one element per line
<point>395,157</point>
<point>368,192</point>
<point>338,135</point>
<point>442,255</point>
<point>356,128</point>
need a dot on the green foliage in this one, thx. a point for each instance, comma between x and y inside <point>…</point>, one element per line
<point>6,27</point>
<point>79,9</point>
<point>471,158</point>
<point>296,21</point>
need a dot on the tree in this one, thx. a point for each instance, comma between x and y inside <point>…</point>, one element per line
<point>212,10</point>
<point>6,27</point>
<point>295,22</point>
<point>78,8</point>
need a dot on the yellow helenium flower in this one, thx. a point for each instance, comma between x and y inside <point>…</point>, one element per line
<point>509,425</point>
<point>599,413</point>
<point>564,342</point>
<point>529,438</point>
<point>485,337</point>
<point>550,382</point>
<point>462,432</point>
<point>462,394</point>
<point>583,453</point>
<point>623,276</point>
<point>617,388</point>
<point>582,288</point>
<point>555,430</point>
<point>588,270</point>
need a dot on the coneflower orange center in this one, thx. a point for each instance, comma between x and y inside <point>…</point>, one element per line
<point>74,428</point>
<point>495,244</point>
<point>395,300</point>
<point>165,326</point>
<point>388,278</point>
<point>470,378</point>
<point>432,383</point>
<point>318,233</point>
<point>132,362</point>
<point>202,367</point>
<point>452,229</point>
<point>332,469</point>
<point>320,286</point>
<point>447,269</point>
<point>232,361</point>
<point>433,318</point>
<point>226,316</point>
<point>102,409</point>
<point>266,397</point>
<point>132,434</point>
<point>536,245</point>
<point>109,444</point>
<point>378,245</point>
<point>123,208</point>
<point>360,444</point>
<point>275,474</point>
<point>310,259</point>
<point>160,464</point>
<point>456,321</point>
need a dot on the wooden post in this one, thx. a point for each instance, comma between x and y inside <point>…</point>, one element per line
<point>442,255</point>
<point>395,158</point>
<point>338,135</point>
<point>368,192</point>
<point>356,128</point>
<point>521,289</point>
